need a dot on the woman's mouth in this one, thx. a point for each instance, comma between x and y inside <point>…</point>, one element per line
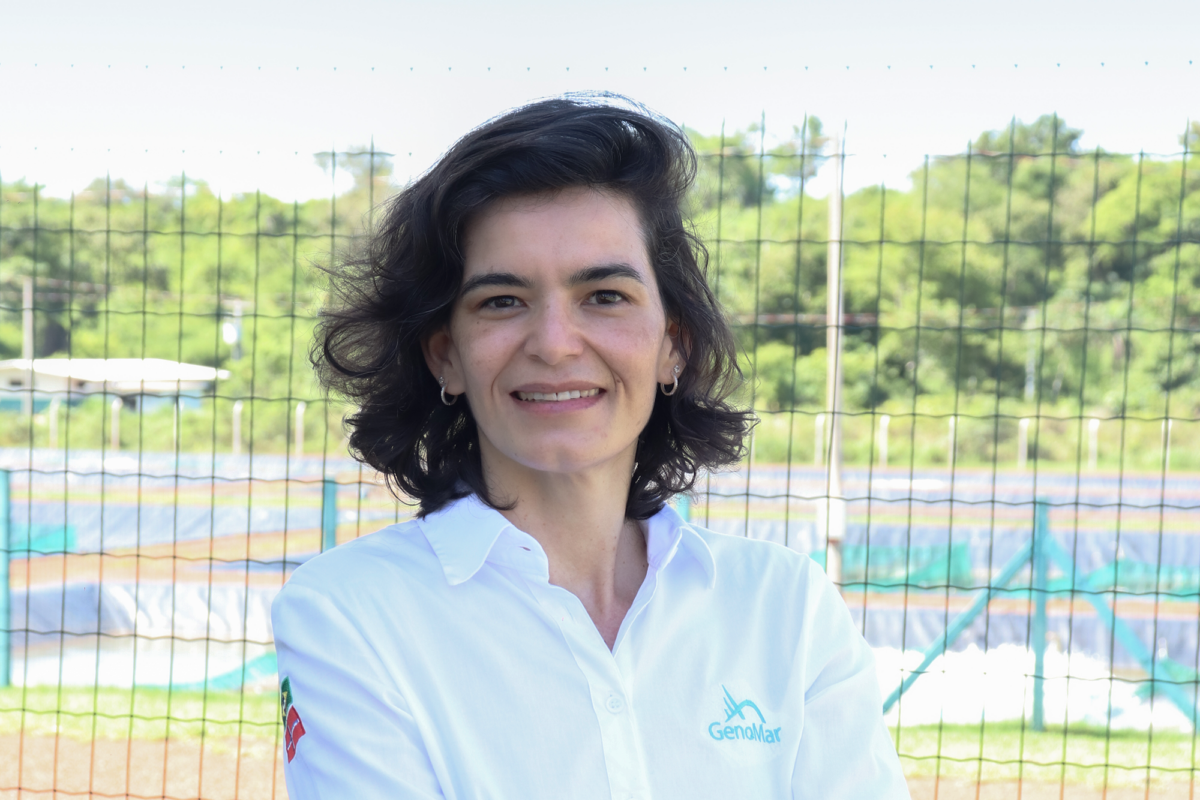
<point>555,397</point>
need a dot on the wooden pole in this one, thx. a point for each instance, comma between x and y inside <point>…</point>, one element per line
<point>1022,442</point>
<point>1093,443</point>
<point>884,422</point>
<point>114,427</point>
<point>299,450</point>
<point>236,447</point>
<point>834,522</point>
<point>55,405</point>
<point>27,341</point>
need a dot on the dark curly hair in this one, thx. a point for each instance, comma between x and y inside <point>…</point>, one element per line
<point>399,287</point>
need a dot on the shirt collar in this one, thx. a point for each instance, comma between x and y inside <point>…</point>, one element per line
<point>667,533</point>
<point>464,533</point>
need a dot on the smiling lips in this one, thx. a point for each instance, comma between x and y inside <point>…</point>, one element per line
<point>552,397</point>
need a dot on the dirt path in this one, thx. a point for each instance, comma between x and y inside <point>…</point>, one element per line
<point>925,789</point>
<point>138,769</point>
<point>152,769</point>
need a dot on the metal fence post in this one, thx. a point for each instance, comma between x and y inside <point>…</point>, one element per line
<point>960,623</point>
<point>683,505</point>
<point>328,514</point>
<point>1041,530</point>
<point>5,592</point>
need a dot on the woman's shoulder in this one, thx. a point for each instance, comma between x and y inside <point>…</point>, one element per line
<point>397,554</point>
<point>764,588</point>
<point>737,546</point>
<point>758,563</point>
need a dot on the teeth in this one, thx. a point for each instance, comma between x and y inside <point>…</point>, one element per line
<point>552,397</point>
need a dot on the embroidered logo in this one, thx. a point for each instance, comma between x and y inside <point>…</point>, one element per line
<point>285,698</point>
<point>294,730</point>
<point>733,707</point>
<point>751,731</point>
<point>293,727</point>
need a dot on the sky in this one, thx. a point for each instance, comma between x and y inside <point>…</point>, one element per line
<point>243,94</point>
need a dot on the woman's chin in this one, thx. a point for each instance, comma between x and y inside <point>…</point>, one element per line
<point>554,453</point>
<point>548,463</point>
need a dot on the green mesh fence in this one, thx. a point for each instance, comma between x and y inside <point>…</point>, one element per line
<point>1018,329</point>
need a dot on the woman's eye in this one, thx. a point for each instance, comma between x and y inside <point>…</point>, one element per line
<point>607,297</point>
<point>503,302</point>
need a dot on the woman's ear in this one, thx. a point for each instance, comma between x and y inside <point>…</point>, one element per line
<point>679,337</point>
<point>442,359</point>
<point>674,353</point>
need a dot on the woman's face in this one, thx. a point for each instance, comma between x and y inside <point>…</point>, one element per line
<point>558,338</point>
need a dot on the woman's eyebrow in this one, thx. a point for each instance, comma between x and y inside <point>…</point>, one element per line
<point>604,272</point>
<point>494,279</point>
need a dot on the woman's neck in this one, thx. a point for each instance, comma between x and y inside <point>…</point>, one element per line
<point>594,552</point>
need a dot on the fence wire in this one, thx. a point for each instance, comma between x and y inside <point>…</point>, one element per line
<point>1012,449</point>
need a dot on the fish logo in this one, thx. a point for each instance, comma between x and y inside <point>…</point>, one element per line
<point>734,709</point>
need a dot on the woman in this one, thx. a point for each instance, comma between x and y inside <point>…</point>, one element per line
<point>539,363</point>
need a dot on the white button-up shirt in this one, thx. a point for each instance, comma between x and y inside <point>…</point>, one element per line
<point>435,659</point>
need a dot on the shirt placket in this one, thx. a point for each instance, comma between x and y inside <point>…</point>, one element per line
<point>609,680</point>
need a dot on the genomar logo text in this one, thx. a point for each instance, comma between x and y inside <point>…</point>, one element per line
<point>738,726</point>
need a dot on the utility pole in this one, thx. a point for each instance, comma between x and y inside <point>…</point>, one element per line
<point>884,422</point>
<point>1093,443</point>
<point>819,439</point>
<point>1022,442</point>
<point>236,446</point>
<point>27,341</point>
<point>114,433</point>
<point>831,514</point>
<point>299,448</point>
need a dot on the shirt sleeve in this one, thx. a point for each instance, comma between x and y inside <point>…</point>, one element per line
<point>845,750</point>
<point>351,733</point>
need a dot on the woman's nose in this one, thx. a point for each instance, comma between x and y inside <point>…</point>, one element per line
<point>555,333</point>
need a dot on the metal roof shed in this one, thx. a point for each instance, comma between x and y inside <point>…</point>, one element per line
<point>128,378</point>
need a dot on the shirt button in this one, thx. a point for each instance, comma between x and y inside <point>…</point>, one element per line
<point>614,704</point>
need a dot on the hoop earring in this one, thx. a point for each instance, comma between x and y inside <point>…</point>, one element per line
<point>442,383</point>
<point>674,386</point>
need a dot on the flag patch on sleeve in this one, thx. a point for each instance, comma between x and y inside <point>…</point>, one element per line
<point>293,727</point>
<point>285,698</point>
<point>294,730</point>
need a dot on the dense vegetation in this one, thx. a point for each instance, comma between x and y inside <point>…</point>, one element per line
<point>1023,277</point>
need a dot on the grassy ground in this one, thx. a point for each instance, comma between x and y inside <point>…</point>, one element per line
<point>1081,755</point>
<point>998,752</point>
<point>83,713</point>
<point>1057,439</point>
<point>1055,443</point>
